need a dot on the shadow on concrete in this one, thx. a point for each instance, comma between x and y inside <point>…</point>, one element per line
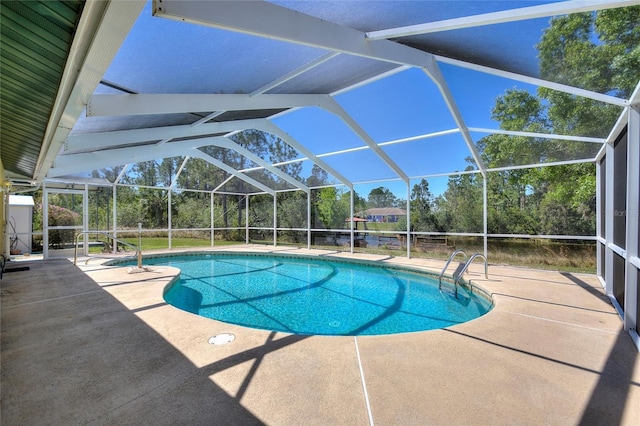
<point>511,348</point>
<point>587,287</point>
<point>79,356</point>
<point>609,397</point>
<point>564,305</point>
<point>256,355</point>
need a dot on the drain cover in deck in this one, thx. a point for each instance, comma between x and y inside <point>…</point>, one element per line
<point>222,339</point>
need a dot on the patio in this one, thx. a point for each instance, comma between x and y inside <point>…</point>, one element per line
<point>196,121</point>
<point>95,345</point>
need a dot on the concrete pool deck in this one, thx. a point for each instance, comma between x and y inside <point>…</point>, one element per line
<point>97,345</point>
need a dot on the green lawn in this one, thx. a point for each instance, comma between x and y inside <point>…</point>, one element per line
<point>532,254</point>
<point>159,243</point>
<point>381,226</point>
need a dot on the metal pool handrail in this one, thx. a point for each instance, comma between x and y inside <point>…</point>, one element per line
<point>454,254</point>
<point>117,240</point>
<point>466,265</point>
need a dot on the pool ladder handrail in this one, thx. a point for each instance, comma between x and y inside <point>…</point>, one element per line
<point>446,265</point>
<point>117,240</point>
<point>466,265</point>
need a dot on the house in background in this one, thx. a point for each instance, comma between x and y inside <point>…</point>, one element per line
<point>384,214</point>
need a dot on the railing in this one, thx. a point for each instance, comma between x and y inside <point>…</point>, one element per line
<point>446,265</point>
<point>466,265</point>
<point>137,249</point>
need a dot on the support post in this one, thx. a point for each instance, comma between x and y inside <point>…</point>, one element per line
<point>139,245</point>
<point>608,221</point>
<point>246,218</point>
<point>5,220</point>
<point>114,213</point>
<point>85,219</point>
<point>45,222</point>
<point>213,239</point>
<point>599,222</point>
<point>169,218</point>
<point>409,220</point>
<point>485,215</point>
<point>275,219</point>
<point>633,223</point>
<point>351,217</point>
<point>309,220</point>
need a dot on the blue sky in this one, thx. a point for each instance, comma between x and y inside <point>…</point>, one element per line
<point>400,106</point>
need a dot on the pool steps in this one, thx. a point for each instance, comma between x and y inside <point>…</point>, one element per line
<point>468,262</point>
<point>115,241</point>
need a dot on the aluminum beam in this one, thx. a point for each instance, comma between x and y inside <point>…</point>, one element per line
<point>538,165</point>
<point>232,171</point>
<point>536,81</point>
<point>141,104</point>
<point>539,135</point>
<point>295,73</point>
<point>336,109</point>
<point>273,21</point>
<point>362,83</point>
<point>104,140</point>
<point>179,172</point>
<point>229,144</point>
<point>269,20</point>
<point>635,96</point>
<point>440,82</point>
<point>86,161</point>
<point>609,216</point>
<point>76,145</point>
<point>268,127</point>
<point>76,163</point>
<point>102,28</point>
<point>512,15</point>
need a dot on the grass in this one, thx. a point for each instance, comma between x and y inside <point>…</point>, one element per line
<point>162,243</point>
<point>536,254</point>
<point>380,226</point>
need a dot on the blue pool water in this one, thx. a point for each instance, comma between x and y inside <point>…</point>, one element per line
<point>315,296</point>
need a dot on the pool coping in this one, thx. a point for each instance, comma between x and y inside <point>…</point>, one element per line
<point>552,350</point>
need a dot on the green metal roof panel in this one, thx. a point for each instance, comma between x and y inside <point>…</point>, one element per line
<point>35,41</point>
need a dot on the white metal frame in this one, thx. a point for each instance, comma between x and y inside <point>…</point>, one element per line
<point>633,212</point>
<point>102,29</point>
<point>45,217</point>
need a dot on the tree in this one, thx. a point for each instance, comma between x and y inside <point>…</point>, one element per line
<point>422,218</point>
<point>201,175</point>
<point>292,212</point>
<point>191,210</point>
<point>152,203</point>
<point>381,197</point>
<point>459,208</point>
<point>330,211</point>
<point>319,177</point>
<point>60,216</point>
<point>167,170</point>
<point>596,51</point>
<point>263,145</point>
<point>619,30</point>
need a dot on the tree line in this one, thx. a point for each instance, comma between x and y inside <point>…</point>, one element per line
<point>597,51</point>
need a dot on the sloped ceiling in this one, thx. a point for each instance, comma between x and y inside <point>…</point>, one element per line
<point>36,40</point>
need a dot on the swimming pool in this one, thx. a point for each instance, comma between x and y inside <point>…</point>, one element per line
<point>305,295</point>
